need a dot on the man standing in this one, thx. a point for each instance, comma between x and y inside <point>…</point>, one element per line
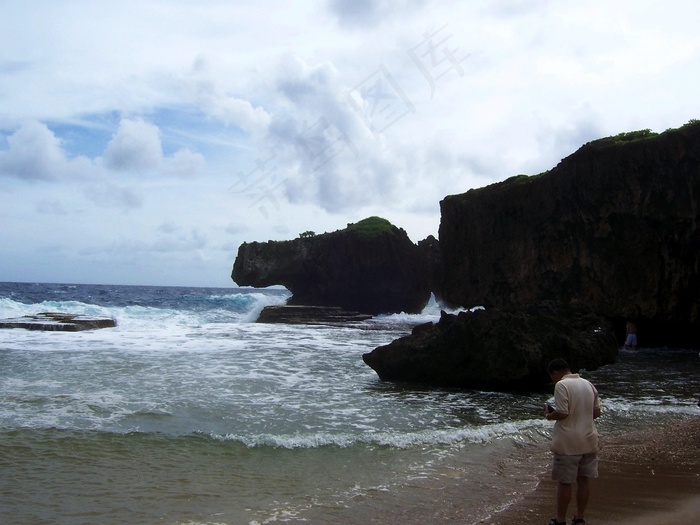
<point>574,438</point>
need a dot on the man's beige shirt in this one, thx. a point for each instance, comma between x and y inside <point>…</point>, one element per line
<point>577,434</point>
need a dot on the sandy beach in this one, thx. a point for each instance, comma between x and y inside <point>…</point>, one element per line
<point>646,478</point>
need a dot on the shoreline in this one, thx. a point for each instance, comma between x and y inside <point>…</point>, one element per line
<point>647,478</point>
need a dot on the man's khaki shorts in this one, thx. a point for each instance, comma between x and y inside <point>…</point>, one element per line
<point>566,469</point>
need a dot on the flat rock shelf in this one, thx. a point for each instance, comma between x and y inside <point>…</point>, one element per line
<point>59,322</point>
<point>303,314</point>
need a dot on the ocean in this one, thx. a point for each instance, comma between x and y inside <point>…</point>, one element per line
<point>189,412</point>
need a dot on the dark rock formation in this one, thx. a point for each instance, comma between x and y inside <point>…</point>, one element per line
<point>58,322</point>
<point>615,226</point>
<point>430,247</point>
<point>371,267</point>
<point>497,350</point>
<point>324,315</point>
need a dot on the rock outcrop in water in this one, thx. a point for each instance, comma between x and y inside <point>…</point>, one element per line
<point>300,314</point>
<point>495,349</point>
<point>59,322</point>
<point>614,226</point>
<point>370,267</point>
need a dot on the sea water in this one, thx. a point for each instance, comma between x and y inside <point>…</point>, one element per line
<point>189,412</point>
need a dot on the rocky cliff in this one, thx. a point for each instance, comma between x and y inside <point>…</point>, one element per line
<point>615,226</point>
<point>370,267</point>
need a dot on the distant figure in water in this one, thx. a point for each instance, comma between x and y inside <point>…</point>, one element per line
<point>631,335</point>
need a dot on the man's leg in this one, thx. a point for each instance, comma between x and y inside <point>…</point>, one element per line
<point>563,500</point>
<point>583,492</point>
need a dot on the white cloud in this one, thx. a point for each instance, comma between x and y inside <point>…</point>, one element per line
<point>360,13</point>
<point>51,207</point>
<point>236,228</point>
<point>183,163</point>
<point>323,151</point>
<point>135,146</point>
<point>354,12</point>
<point>34,153</point>
<point>210,96</point>
<point>191,242</point>
<point>109,194</point>
<point>168,227</point>
<point>166,242</point>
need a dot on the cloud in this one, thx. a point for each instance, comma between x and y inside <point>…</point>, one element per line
<point>168,227</point>
<point>183,163</point>
<point>514,8</point>
<point>135,146</point>
<point>235,228</point>
<point>323,151</point>
<point>355,12</point>
<point>166,242</point>
<point>231,110</point>
<point>34,154</point>
<point>335,146</point>
<point>10,67</point>
<point>109,194</point>
<point>360,13</point>
<point>211,97</point>
<point>196,240</point>
<point>51,207</point>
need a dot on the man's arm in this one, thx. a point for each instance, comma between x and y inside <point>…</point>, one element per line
<point>556,416</point>
<point>597,407</point>
<point>561,400</point>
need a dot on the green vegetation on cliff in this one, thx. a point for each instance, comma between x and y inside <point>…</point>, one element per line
<point>371,227</point>
<point>632,136</point>
<point>626,137</point>
<point>642,134</point>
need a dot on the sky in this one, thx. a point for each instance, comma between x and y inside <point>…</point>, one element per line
<point>143,142</point>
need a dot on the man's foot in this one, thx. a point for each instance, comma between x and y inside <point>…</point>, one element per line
<point>555,522</point>
<point>578,521</point>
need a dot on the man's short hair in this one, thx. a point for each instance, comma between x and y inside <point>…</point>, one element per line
<point>558,365</point>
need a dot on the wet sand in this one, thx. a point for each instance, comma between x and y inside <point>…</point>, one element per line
<point>646,478</point>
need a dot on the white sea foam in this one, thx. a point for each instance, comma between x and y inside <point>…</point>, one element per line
<point>399,440</point>
<point>204,369</point>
